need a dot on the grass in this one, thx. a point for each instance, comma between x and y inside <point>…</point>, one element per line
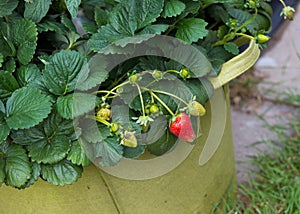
<point>275,187</point>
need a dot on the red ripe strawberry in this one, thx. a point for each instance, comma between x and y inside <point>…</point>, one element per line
<point>182,128</point>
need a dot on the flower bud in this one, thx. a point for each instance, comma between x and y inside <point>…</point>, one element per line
<point>134,78</point>
<point>184,73</point>
<point>157,75</point>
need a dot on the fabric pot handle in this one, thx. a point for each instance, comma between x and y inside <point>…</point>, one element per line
<point>237,65</point>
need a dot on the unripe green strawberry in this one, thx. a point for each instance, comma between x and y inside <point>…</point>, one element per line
<point>145,127</point>
<point>104,114</point>
<point>182,128</point>
<point>261,38</point>
<point>129,139</point>
<point>154,108</point>
<point>252,3</point>
<point>196,109</point>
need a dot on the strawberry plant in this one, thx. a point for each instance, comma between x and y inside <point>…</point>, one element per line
<point>65,102</point>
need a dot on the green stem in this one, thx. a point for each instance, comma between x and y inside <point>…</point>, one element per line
<point>166,93</point>
<point>283,3</point>
<point>235,33</point>
<point>99,120</point>
<point>118,80</point>
<point>104,91</point>
<point>162,103</point>
<point>69,46</point>
<point>115,88</point>
<point>247,22</point>
<point>150,83</point>
<point>152,98</point>
<point>171,95</point>
<point>141,99</point>
<point>245,35</point>
<point>173,71</point>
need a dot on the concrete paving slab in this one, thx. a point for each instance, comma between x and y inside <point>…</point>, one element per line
<point>280,65</point>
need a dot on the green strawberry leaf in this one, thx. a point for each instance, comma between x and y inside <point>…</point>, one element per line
<point>222,31</point>
<point>105,35</point>
<point>218,56</point>
<point>77,154</point>
<point>156,130</point>
<point>151,63</point>
<point>232,48</point>
<point>29,75</point>
<point>51,150</point>
<point>8,84</point>
<point>6,49</point>
<point>163,145</point>
<point>120,114</point>
<point>137,39</point>
<point>17,164</point>
<point>61,173</point>
<point>77,104</point>
<point>202,89</point>
<point>97,73</point>
<point>26,108</point>
<point>2,107</point>
<point>63,71</point>
<point>1,59</point>
<point>48,25</point>
<point>36,171</point>
<point>68,23</point>
<point>191,7</point>
<point>93,132</point>
<point>54,125</point>
<point>131,15</point>
<point>134,152</point>
<point>36,10</point>
<point>191,30</point>
<point>109,151</point>
<point>4,129</point>
<point>190,57</point>
<point>90,27</point>
<point>136,103</point>
<point>154,29</point>
<point>72,6</point>
<point>101,16</point>
<point>10,65</point>
<point>173,8</point>
<point>124,21</point>
<point>24,36</point>
<point>2,170</point>
<point>261,21</point>
<point>7,7</point>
